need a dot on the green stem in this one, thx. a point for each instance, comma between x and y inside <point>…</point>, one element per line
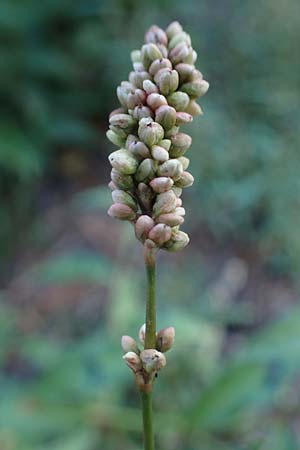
<point>150,340</point>
<point>147,420</point>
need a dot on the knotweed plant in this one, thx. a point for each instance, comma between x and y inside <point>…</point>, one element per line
<point>149,172</point>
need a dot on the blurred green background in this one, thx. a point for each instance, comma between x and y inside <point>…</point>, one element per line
<point>72,280</point>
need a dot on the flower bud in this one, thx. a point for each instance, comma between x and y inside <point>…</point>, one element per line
<point>122,181</point>
<point>142,333</point>
<point>195,88</point>
<point>171,132</point>
<point>171,168</point>
<point>137,78</point>
<point>179,100</point>
<point>122,92</point>
<point>133,361</point>
<point>171,219</point>
<point>118,111</point>
<point>135,98</point>
<point>119,131</point>
<point>165,203</point>
<point>112,186</point>
<point>160,234</point>
<point>165,115</point>
<point>180,211</point>
<point>184,71</point>
<point>149,87</point>
<point>146,170</point>
<point>181,142</point>
<point>184,161</point>
<point>163,50</point>
<point>123,121</point>
<point>137,148</point>
<point>178,202</point>
<point>159,153</point>
<point>191,57</point>
<point>123,161</point>
<point>138,67</point>
<point>129,345</point>
<point>194,109</point>
<point>156,100</point>
<point>195,75</point>
<point>179,53</point>
<point>161,184</point>
<point>185,180</point>
<point>183,118</point>
<point>143,226</point>
<point>165,143</point>
<point>159,64</point>
<point>115,138</point>
<point>145,196</point>
<point>123,197</point>
<point>178,38</point>
<point>177,191</point>
<point>122,212</point>
<point>135,56</point>
<point>165,339</point>
<point>178,241</point>
<point>173,29</point>
<point>152,360</point>
<point>156,35</point>
<point>150,132</point>
<point>167,80</point>
<point>141,111</point>
<point>149,53</point>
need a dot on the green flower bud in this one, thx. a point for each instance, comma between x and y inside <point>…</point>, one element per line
<point>179,53</point>
<point>195,75</point>
<point>156,100</point>
<point>133,361</point>
<point>115,138</point>
<point>165,339</point>
<point>149,53</point>
<point>163,50</point>
<point>184,161</point>
<point>123,197</point>
<point>137,78</point>
<point>183,118</point>
<point>171,219</point>
<point>120,211</point>
<point>191,58</point>
<point>122,181</point>
<point>165,203</point>
<point>177,191</point>
<point>141,111</point>
<point>179,100</point>
<point>143,226</point>
<point>119,131</point>
<point>181,142</point>
<point>173,29</point>
<point>161,184</point>
<point>171,132</point>
<point>159,153</point>
<point>178,241</point>
<point>146,170</point>
<point>122,92</point>
<point>135,56</point>
<point>145,195</point>
<point>171,168</point>
<point>159,64</point>
<point>123,121</point>
<point>167,80</point>
<point>185,180</point>
<point>160,234</point>
<point>150,132</point>
<point>165,143</point>
<point>123,161</point>
<point>149,87</point>
<point>152,360</point>
<point>178,38</point>
<point>156,35</point>
<point>195,88</point>
<point>194,109</point>
<point>165,115</point>
<point>129,345</point>
<point>184,71</point>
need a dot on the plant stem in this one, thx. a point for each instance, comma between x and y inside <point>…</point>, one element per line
<point>150,340</point>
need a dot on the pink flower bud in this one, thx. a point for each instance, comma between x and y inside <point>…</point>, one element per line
<point>160,234</point>
<point>129,345</point>
<point>165,339</point>
<point>133,361</point>
<point>121,211</point>
<point>185,180</point>
<point>165,115</point>
<point>159,64</point>
<point>143,226</point>
<point>173,29</point>
<point>165,203</point>
<point>171,219</point>
<point>183,118</point>
<point>161,184</point>
<point>152,360</point>
<point>159,153</point>
<point>156,100</point>
<point>156,35</point>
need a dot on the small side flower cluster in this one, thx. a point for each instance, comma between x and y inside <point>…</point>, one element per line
<point>146,363</point>
<point>149,171</point>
